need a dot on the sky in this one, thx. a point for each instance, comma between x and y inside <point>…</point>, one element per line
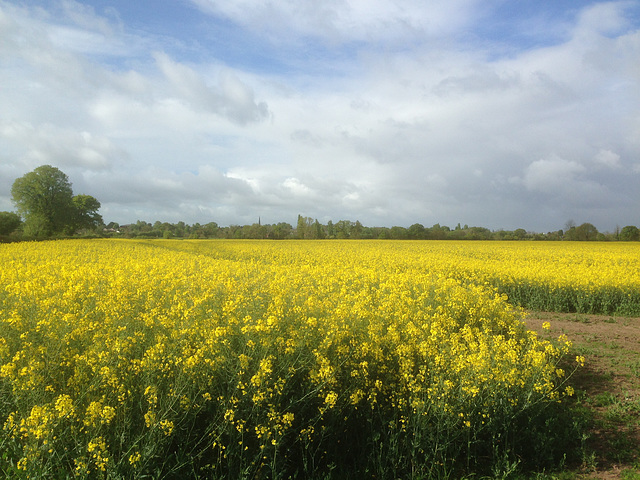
<point>497,113</point>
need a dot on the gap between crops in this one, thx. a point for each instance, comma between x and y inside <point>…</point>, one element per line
<point>607,389</point>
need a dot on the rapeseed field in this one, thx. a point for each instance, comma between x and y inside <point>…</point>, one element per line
<point>256,359</point>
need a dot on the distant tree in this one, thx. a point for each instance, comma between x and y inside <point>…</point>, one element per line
<point>417,231</point>
<point>399,233</point>
<point>343,229</point>
<point>45,200</point>
<point>356,230</point>
<point>85,213</point>
<point>330,230</point>
<point>478,233</point>
<point>211,229</point>
<point>379,232</point>
<point>281,231</point>
<point>367,233</point>
<point>520,233</point>
<point>9,222</point>
<point>254,231</point>
<point>301,227</point>
<point>570,234</point>
<point>586,232</point>
<point>317,226</point>
<point>383,233</point>
<point>630,233</point>
<point>438,232</point>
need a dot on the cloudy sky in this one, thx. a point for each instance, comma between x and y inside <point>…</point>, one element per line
<point>496,113</point>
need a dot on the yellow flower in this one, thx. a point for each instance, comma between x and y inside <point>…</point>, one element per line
<point>64,406</point>
<point>330,399</point>
<point>149,419</point>
<point>134,458</point>
<point>166,426</point>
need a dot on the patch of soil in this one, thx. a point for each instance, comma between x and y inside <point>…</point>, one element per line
<point>608,384</point>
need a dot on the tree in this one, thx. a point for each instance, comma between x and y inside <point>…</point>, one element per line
<point>85,213</point>
<point>356,230</point>
<point>417,231</point>
<point>630,233</point>
<point>211,229</point>
<point>319,230</point>
<point>343,229</point>
<point>301,227</point>
<point>9,222</point>
<point>399,233</point>
<point>520,233</point>
<point>45,199</point>
<point>586,232</point>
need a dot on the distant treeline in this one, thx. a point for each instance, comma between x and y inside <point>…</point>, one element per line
<point>309,228</point>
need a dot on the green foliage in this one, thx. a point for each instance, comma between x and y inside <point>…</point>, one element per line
<point>85,213</point>
<point>9,222</point>
<point>586,232</point>
<point>630,233</point>
<point>45,199</point>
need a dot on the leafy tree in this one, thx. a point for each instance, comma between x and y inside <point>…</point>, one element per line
<point>399,233</point>
<point>417,231</point>
<point>478,233</point>
<point>318,229</point>
<point>520,233</point>
<point>343,229</point>
<point>9,222</point>
<point>211,229</point>
<point>281,231</point>
<point>330,230</point>
<point>586,232</point>
<point>356,230</point>
<point>438,232</point>
<point>45,199</point>
<point>301,227</point>
<point>85,213</point>
<point>630,233</point>
<point>570,234</point>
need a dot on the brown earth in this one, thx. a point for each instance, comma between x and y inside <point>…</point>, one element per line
<point>608,387</point>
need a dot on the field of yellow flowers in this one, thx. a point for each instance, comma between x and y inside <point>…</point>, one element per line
<point>336,359</point>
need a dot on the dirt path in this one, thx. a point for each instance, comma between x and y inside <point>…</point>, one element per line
<point>608,387</point>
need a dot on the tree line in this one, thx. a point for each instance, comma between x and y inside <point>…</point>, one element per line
<point>47,208</point>
<point>311,229</point>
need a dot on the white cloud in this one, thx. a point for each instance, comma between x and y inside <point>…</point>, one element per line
<point>48,144</point>
<point>296,187</point>
<point>552,175</point>
<point>348,20</point>
<point>607,158</point>
<point>604,18</point>
<point>230,97</point>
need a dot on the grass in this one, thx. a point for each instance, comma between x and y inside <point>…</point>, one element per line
<point>607,393</point>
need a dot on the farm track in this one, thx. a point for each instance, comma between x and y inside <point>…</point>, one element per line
<point>608,388</point>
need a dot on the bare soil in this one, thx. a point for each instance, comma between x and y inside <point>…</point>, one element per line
<point>608,387</point>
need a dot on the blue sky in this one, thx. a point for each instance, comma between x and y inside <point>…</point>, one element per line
<point>504,114</point>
